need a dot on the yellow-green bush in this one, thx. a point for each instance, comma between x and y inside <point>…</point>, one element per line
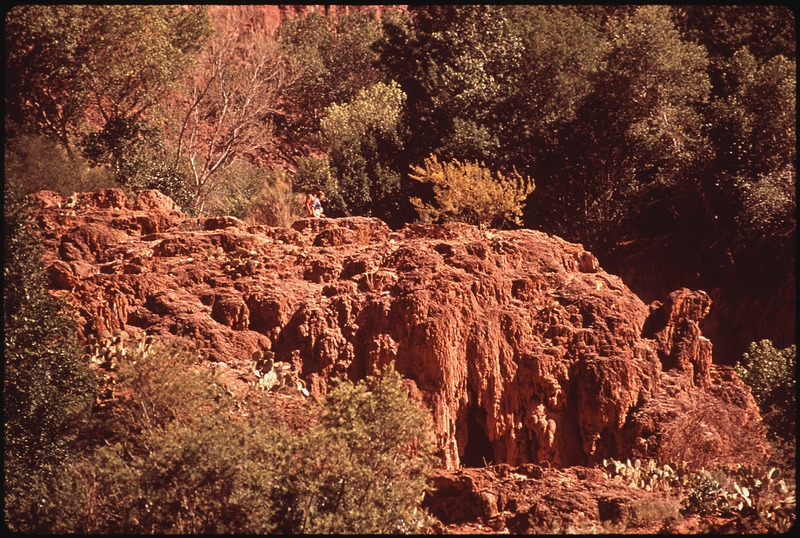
<point>471,193</point>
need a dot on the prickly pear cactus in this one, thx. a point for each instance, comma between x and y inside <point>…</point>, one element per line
<point>647,475</point>
<point>242,262</point>
<point>106,350</point>
<point>276,376</point>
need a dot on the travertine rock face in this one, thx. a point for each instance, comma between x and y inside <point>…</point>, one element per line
<point>521,346</point>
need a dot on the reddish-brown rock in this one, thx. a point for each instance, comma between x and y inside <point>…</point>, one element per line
<point>522,347</point>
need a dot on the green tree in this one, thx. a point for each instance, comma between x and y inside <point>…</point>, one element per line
<point>174,453</point>
<point>454,64</point>
<point>42,89</point>
<point>336,60</point>
<point>364,140</point>
<point>469,192</point>
<point>754,131</point>
<point>767,30</point>
<point>770,373</point>
<point>315,172</point>
<point>632,154</point>
<point>563,49</point>
<point>47,388</point>
<point>73,70</point>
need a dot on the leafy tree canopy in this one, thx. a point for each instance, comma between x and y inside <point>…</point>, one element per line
<point>68,65</point>
<point>364,139</point>
<point>770,373</point>
<point>336,59</point>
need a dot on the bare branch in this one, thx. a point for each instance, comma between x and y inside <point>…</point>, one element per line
<point>240,82</point>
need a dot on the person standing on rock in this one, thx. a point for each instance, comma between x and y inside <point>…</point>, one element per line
<point>314,199</point>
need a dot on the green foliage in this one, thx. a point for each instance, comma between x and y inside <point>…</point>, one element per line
<point>92,76</point>
<point>313,172</point>
<point>159,175</point>
<point>453,62</point>
<point>375,108</point>
<point>755,133</point>
<point>469,192</point>
<point>275,204</point>
<point>706,494</point>
<point>46,386</point>
<point>120,145</point>
<point>71,64</point>
<point>43,89</point>
<point>363,137</point>
<point>336,59</point>
<point>173,454</point>
<point>770,373</point>
<point>749,492</point>
<point>471,141</point>
<point>768,206</point>
<point>35,162</point>
<point>165,385</point>
<point>564,49</point>
<point>170,451</point>
<point>768,30</point>
<point>211,475</point>
<point>364,468</point>
<point>640,136</point>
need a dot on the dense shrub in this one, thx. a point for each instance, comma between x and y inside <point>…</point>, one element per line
<point>364,468</point>
<point>46,386</point>
<point>34,162</point>
<point>172,452</point>
<point>770,373</point>
<point>471,193</point>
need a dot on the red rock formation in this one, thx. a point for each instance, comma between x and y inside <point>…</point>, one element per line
<point>521,346</point>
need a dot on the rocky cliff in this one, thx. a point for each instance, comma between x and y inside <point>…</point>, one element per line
<point>522,347</point>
